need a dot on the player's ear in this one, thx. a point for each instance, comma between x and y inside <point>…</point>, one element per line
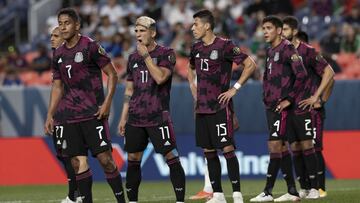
<point>295,32</point>
<point>153,33</point>
<point>77,26</point>
<point>279,30</point>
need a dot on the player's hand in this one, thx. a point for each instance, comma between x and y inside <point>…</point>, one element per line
<point>317,105</point>
<point>121,127</point>
<point>141,49</point>
<point>49,126</point>
<point>308,103</point>
<point>282,105</point>
<point>103,111</point>
<point>225,97</point>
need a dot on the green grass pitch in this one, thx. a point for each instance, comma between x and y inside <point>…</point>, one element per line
<point>342,191</point>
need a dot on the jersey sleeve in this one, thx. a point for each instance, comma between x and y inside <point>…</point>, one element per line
<point>192,57</point>
<point>99,55</point>
<point>129,72</point>
<point>55,68</point>
<point>318,63</point>
<point>168,60</point>
<point>298,69</point>
<point>234,53</point>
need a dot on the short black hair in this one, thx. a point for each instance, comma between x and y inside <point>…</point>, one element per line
<point>70,12</point>
<point>273,20</point>
<point>302,36</point>
<point>292,22</point>
<point>206,16</point>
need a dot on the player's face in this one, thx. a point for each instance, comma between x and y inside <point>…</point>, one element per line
<point>144,35</point>
<point>68,27</point>
<point>198,28</point>
<point>287,32</point>
<point>270,32</point>
<point>56,38</point>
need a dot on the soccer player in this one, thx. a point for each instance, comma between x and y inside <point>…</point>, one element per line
<point>82,115</point>
<point>145,113</point>
<point>321,75</point>
<point>73,196</point>
<point>212,59</point>
<point>283,79</point>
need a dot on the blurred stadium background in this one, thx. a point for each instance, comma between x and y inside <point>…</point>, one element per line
<point>26,156</point>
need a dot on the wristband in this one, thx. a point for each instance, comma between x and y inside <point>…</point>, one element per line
<point>237,86</point>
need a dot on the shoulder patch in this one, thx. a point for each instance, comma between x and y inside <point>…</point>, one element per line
<point>319,57</point>
<point>236,50</point>
<point>101,50</point>
<point>295,57</point>
<point>172,58</point>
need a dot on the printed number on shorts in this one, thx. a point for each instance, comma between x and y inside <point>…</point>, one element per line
<point>59,131</point>
<point>307,124</point>
<point>165,134</point>
<point>100,129</point>
<point>221,129</point>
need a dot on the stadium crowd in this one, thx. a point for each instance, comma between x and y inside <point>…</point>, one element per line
<point>333,27</point>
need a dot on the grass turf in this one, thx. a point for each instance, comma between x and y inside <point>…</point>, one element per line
<point>161,191</point>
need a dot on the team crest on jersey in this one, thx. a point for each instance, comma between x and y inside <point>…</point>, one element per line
<point>78,57</point>
<point>276,57</point>
<point>172,58</point>
<point>295,57</point>
<point>236,50</point>
<point>214,55</point>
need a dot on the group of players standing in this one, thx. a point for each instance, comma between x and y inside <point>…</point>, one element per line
<point>296,84</point>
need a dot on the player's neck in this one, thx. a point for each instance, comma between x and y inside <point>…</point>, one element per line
<point>208,39</point>
<point>296,42</point>
<point>151,46</point>
<point>72,41</point>
<point>276,42</point>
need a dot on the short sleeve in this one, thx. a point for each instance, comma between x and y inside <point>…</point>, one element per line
<point>55,68</point>
<point>234,53</point>
<point>318,62</point>
<point>98,55</point>
<point>192,57</point>
<point>129,72</point>
<point>167,60</point>
<point>294,59</point>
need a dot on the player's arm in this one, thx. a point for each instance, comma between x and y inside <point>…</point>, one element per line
<point>327,76</point>
<point>191,78</point>
<point>104,109</point>
<point>159,74</point>
<point>55,96</point>
<point>129,90</point>
<point>249,68</point>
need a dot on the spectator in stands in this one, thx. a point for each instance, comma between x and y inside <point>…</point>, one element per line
<point>350,42</point>
<point>330,43</point>
<point>16,61</point>
<point>106,30</point>
<point>88,8</point>
<point>322,7</point>
<point>182,14</point>
<point>113,10</point>
<point>116,45</point>
<point>42,62</point>
<point>168,7</point>
<point>153,10</point>
<point>354,16</point>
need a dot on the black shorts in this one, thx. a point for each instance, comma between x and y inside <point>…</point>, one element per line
<point>80,137</point>
<point>317,118</point>
<point>276,125</point>
<point>299,127</point>
<point>162,137</point>
<point>58,139</point>
<point>214,131</point>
